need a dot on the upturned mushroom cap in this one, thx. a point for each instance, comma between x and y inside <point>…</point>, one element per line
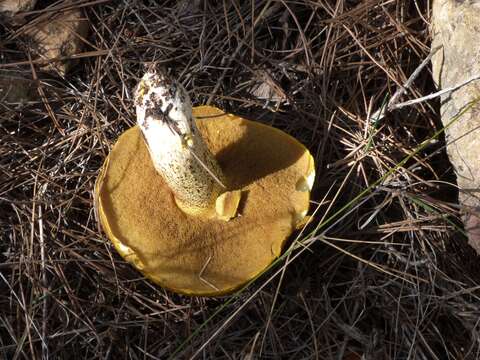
<point>194,255</point>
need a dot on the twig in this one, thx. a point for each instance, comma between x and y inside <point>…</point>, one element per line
<point>43,284</point>
<point>403,90</point>
<point>380,113</point>
<point>45,101</point>
<point>202,271</point>
<point>436,94</point>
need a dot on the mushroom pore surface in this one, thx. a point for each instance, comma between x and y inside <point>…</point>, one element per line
<point>198,256</point>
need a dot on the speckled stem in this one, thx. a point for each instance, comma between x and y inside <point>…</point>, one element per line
<point>178,152</point>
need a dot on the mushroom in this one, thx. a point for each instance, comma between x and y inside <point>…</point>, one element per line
<point>199,200</point>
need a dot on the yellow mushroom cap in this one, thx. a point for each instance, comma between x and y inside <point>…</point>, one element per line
<point>194,255</point>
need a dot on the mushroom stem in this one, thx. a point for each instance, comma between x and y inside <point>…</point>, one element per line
<point>178,151</point>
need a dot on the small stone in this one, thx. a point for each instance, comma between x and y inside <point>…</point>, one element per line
<point>456,29</point>
<point>15,87</point>
<point>9,8</point>
<point>59,37</point>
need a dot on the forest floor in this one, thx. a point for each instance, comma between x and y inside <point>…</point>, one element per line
<point>383,271</point>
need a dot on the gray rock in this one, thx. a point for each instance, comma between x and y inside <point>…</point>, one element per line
<point>456,28</point>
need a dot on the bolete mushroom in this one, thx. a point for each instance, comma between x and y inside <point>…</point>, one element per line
<point>200,201</point>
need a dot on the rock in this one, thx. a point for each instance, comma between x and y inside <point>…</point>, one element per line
<point>9,8</point>
<point>58,37</point>
<point>267,90</point>
<point>456,28</point>
<point>15,87</point>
